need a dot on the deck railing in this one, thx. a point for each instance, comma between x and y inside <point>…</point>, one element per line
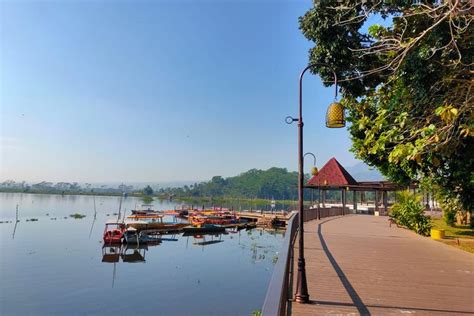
<point>279,291</point>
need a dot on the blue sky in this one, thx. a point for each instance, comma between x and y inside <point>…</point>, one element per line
<point>156,90</point>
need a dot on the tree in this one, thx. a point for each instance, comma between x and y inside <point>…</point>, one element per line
<point>148,190</point>
<point>407,86</point>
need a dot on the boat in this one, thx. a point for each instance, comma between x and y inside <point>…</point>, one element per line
<point>133,236</point>
<point>113,232</point>
<point>154,224</point>
<point>225,219</point>
<point>146,209</point>
<point>205,228</point>
<point>145,216</point>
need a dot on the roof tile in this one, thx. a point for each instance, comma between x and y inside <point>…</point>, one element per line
<point>332,174</point>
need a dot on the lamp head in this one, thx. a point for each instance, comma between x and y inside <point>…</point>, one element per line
<point>335,116</point>
<point>314,171</point>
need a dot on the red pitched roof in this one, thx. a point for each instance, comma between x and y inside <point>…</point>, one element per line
<point>332,174</point>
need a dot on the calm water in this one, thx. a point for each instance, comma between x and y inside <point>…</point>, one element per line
<point>54,266</point>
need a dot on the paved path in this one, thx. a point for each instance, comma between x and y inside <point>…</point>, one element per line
<point>358,265</point>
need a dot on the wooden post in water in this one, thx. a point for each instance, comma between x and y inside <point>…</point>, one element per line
<point>120,208</point>
<point>95,210</point>
<point>16,222</point>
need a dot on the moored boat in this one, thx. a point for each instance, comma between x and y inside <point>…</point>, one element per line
<point>146,209</point>
<point>133,236</point>
<point>225,219</point>
<point>155,225</point>
<point>113,232</point>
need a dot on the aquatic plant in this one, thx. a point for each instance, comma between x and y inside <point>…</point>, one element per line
<point>275,259</point>
<point>77,216</point>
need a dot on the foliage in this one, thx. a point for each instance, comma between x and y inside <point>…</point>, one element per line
<point>449,217</point>
<point>148,190</point>
<point>275,183</point>
<point>409,212</point>
<point>407,86</point>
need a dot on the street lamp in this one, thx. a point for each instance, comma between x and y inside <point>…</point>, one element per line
<point>314,171</point>
<point>334,119</point>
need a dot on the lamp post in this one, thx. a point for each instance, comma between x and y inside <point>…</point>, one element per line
<point>334,119</point>
<point>314,171</point>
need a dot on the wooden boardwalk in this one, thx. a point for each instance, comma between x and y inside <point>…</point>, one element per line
<point>358,265</point>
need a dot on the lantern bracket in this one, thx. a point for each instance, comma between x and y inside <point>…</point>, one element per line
<point>290,120</point>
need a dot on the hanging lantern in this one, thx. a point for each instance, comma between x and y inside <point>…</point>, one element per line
<point>335,116</point>
<point>314,171</point>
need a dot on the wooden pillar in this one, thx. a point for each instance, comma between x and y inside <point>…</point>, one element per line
<point>324,198</point>
<point>376,200</point>
<point>343,195</point>
<point>385,202</point>
<point>319,197</point>
<point>354,200</point>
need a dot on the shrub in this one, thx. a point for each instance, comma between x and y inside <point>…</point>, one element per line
<point>409,212</point>
<point>452,210</point>
<point>449,216</point>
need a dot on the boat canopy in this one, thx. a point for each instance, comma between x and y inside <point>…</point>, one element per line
<point>113,221</point>
<point>136,222</point>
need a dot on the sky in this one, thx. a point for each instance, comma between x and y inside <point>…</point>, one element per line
<point>95,91</point>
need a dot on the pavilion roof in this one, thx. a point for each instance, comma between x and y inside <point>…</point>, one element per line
<point>332,174</point>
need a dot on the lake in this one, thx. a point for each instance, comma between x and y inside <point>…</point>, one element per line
<point>54,266</point>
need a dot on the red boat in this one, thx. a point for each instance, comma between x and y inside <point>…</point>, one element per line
<point>113,232</point>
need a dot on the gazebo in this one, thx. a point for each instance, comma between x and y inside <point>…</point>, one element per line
<point>333,177</point>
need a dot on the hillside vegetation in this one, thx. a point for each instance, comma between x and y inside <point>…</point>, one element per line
<point>277,183</point>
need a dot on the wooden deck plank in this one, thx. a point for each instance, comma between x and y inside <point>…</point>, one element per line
<point>358,265</point>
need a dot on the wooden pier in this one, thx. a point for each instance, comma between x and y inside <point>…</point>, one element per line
<point>265,218</point>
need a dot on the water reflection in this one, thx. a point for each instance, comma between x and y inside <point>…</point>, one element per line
<point>135,253</point>
<point>204,239</point>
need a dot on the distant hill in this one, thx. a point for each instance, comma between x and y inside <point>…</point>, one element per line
<point>277,183</point>
<point>362,172</point>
